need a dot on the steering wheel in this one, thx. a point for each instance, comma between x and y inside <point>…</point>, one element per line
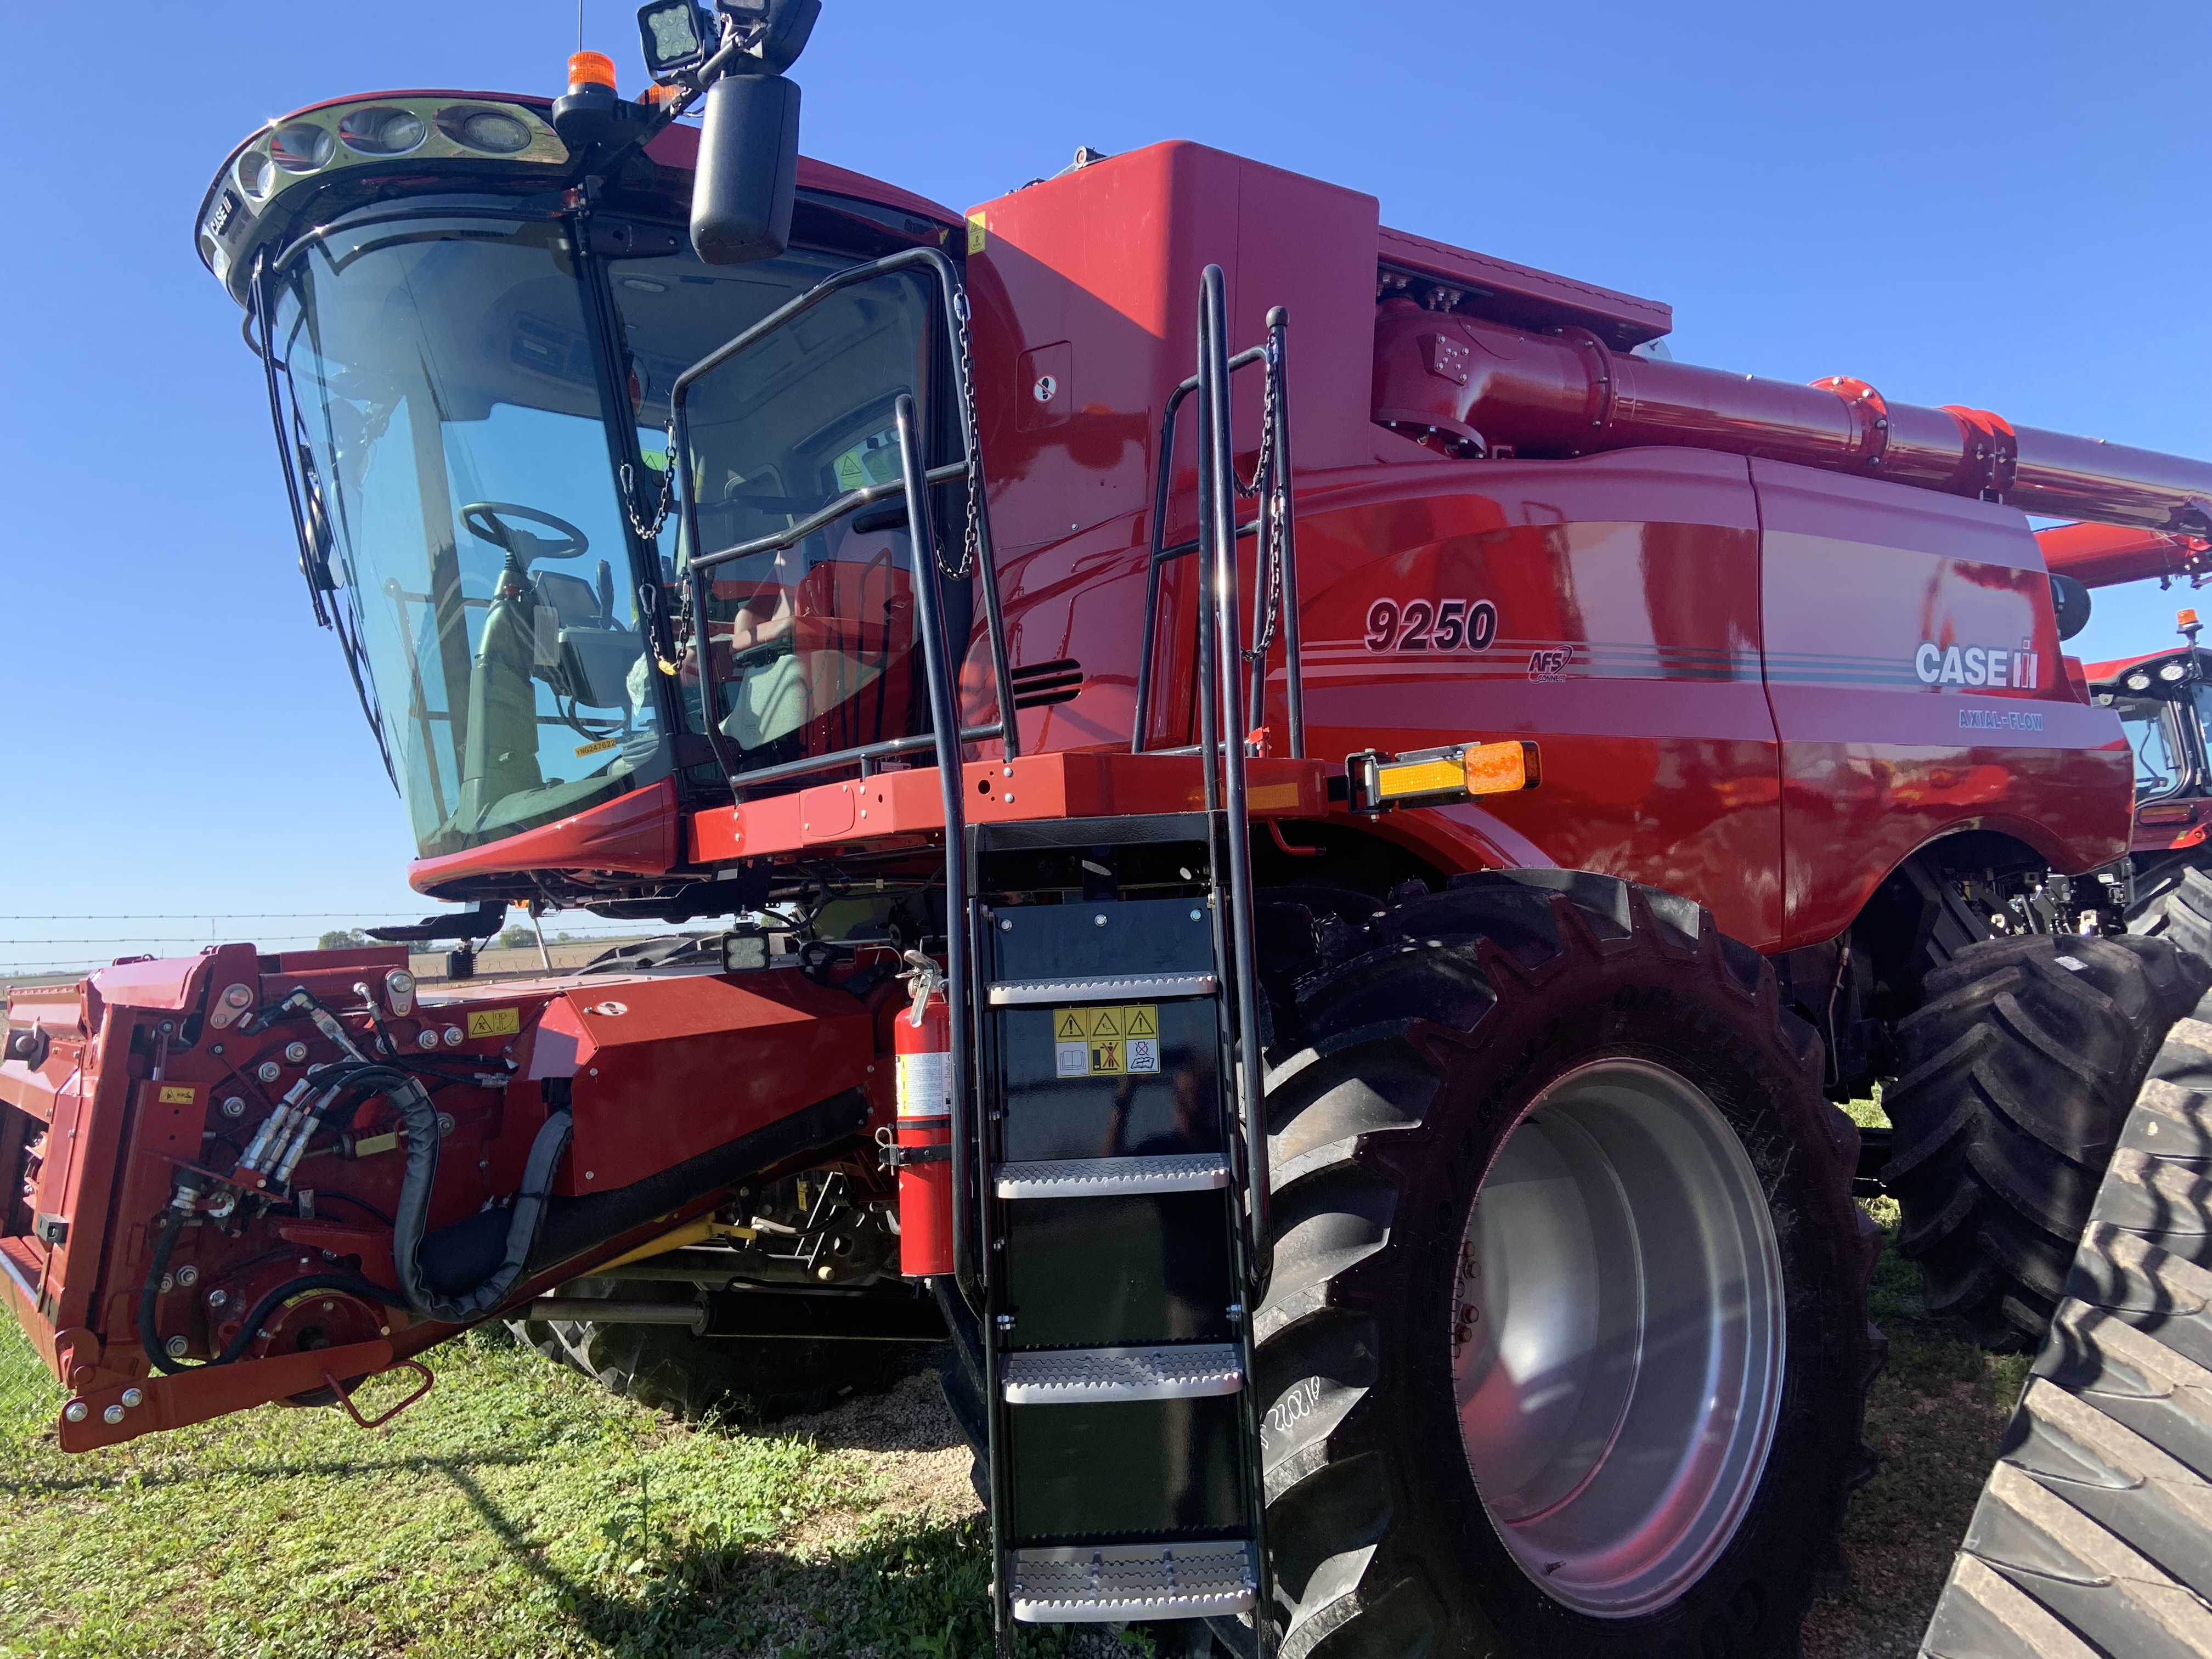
<point>487,522</point>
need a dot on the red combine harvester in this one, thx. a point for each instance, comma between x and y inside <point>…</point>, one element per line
<point>1323,976</point>
<point>2160,697</point>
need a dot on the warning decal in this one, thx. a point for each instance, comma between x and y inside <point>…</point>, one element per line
<point>1106,1042</point>
<point>175,1094</point>
<point>495,1022</point>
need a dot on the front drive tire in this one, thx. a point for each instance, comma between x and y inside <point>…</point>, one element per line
<point>1646,1348</point>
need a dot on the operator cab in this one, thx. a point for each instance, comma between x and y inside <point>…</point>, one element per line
<point>471,334</point>
<point>2162,700</point>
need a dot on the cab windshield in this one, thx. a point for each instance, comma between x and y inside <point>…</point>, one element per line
<point>460,454</point>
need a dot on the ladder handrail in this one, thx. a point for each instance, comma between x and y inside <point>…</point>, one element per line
<point>1222,713</point>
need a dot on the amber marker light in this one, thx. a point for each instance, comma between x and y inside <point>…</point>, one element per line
<point>1433,776</point>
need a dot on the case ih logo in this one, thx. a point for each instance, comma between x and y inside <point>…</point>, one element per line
<point>1975,665</point>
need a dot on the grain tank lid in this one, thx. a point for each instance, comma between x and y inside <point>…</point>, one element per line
<point>1520,295</point>
<point>678,147</point>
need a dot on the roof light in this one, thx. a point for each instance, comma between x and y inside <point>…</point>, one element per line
<point>674,33</point>
<point>253,173</point>
<point>2185,618</point>
<point>488,131</point>
<point>2173,671</point>
<point>301,146</point>
<point>591,69</point>
<point>382,130</point>
<point>2139,681</point>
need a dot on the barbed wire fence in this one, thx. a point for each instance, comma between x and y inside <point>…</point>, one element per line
<point>28,949</point>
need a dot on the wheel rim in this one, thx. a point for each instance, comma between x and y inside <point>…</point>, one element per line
<point>1617,1337</point>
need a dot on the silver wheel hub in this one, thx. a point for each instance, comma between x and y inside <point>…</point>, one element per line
<point>1617,1337</point>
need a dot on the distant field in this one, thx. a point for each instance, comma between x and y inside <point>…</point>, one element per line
<point>519,1510</point>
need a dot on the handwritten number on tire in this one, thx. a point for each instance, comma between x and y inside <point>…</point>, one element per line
<point>1426,625</point>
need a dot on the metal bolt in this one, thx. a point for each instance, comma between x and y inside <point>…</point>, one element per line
<point>175,1347</point>
<point>428,1039</point>
<point>1005,927</point>
<point>168,1027</point>
<point>1006,1322</point>
<point>216,1298</point>
<point>77,1411</point>
<point>268,1071</point>
<point>188,1275</point>
<point>591,1175</point>
<point>295,1052</point>
<point>112,1415</point>
<point>329,1306</point>
<point>452,1037</point>
<point>168,1283</point>
<point>1198,916</point>
<point>133,1398</point>
<point>234,1107</point>
<point>825,1273</point>
<point>1099,921</point>
<point>445,1124</point>
<point>1009,798</point>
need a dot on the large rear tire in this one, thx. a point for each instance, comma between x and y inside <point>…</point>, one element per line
<point>666,1367</point>
<point>2176,904</point>
<point>1565,1350</point>
<point>2016,1073</point>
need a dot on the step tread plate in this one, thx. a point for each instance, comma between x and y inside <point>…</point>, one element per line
<point>1085,1377</point>
<point>1118,1584</point>
<point>1100,987</point>
<point>1112,1178</point>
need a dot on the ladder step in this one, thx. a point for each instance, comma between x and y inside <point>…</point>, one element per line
<point>1086,1376</point>
<point>1100,987</point>
<point>1114,1177</point>
<point>1113,1583</point>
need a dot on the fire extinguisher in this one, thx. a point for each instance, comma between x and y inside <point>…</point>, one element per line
<point>921,1045</point>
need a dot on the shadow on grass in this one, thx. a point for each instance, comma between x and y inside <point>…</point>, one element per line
<point>921,1592</point>
<point>335,1468</point>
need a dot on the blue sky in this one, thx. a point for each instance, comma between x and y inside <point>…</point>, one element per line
<point>2002,207</point>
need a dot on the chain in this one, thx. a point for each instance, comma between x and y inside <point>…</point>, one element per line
<point>651,532</point>
<point>1277,504</point>
<point>972,542</point>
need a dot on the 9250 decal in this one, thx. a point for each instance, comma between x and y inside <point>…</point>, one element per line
<point>1430,625</point>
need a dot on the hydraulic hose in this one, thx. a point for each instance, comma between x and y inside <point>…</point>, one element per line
<point>411,1217</point>
<point>150,1334</point>
<point>410,1221</point>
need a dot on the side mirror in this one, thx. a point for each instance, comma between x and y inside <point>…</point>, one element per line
<point>2069,604</point>
<point>748,176</point>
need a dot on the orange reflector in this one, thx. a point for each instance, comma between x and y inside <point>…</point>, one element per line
<point>591,69</point>
<point>2179,812</point>
<point>1493,768</point>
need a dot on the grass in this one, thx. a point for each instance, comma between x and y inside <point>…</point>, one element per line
<point>520,1509</point>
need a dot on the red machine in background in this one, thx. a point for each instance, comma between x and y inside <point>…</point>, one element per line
<point>1348,898</point>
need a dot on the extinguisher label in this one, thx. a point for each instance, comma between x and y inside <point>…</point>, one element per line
<point>925,1085</point>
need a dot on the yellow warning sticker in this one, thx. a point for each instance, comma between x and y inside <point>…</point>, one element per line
<point>975,231</point>
<point>598,748</point>
<point>177,1094</point>
<point>495,1022</point>
<point>1106,1042</point>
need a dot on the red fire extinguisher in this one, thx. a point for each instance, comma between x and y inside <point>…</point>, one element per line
<point>921,1044</point>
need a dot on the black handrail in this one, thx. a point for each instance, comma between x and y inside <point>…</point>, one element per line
<point>1217,530</point>
<point>969,466</point>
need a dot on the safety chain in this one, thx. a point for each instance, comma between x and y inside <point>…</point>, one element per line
<point>651,532</point>
<point>1277,503</point>
<point>972,542</point>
